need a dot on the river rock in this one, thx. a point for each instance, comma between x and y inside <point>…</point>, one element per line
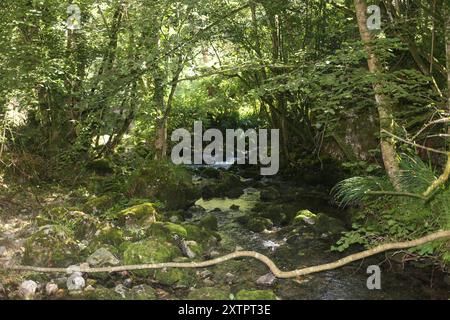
<point>27,289</point>
<point>205,274</point>
<point>60,282</point>
<point>267,279</point>
<point>150,251</point>
<point>139,215</point>
<point>141,292</point>
<point>102,257</point>
<point>270,194</point>
<point>51,245</point>
<point>51,288</point>
<point>209,222</point>
<point>128,282</point>
<point>328,225</point>
<point>306,217</point>
<point>75,282</point>
<point>121,289</point>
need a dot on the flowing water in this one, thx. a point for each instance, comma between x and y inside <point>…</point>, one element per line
<point>307,249</point>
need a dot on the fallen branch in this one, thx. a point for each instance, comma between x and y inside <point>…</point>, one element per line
<point>252,254</point>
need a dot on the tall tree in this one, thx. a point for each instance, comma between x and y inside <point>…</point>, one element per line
<point>386,118</point>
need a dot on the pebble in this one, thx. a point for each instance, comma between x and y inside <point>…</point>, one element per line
<point>120,289</point>
<point>128,283</point>
<point>51,288</point>
<point>205,274</point>
<point>75,282</point>
<point>208,282</point>
<point>267,279</point>
<point>229,278</point>
<point>89,288</point>
<point>27,289</point>
<point>2,251</point>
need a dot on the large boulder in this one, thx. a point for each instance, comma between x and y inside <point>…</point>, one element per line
<point>83,225</point>
<point>175,276</point>
<point>149,251</point>
<point>137,216</point>
<point>328,225</point>
<point>102,257</point>
<point>99,204</point>
<point>254,223</point>
<point>51,245</point>
<point>162,180</point>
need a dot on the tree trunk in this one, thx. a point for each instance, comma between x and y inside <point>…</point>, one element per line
<point>447,46</point>
<point>387,145</point>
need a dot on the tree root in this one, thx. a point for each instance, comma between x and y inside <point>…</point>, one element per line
<point>251,254</point>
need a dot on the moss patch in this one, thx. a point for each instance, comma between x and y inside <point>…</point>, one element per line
<point>256,295</point>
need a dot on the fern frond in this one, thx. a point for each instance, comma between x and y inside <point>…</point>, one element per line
<point>352,191</point>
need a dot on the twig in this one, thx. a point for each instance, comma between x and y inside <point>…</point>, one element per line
<point>429,124</point>
<point>413,143</point>
<point>251,254</point>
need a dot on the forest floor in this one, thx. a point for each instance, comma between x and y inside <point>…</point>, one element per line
<point>251,219</point>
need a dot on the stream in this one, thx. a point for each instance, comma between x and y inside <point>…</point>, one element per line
<point>308,249</point>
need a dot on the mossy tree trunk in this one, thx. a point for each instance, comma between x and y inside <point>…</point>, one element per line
<point>385,113</point>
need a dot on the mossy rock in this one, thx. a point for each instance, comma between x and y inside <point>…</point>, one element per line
<point>273,211</point>
<point>99,204</point>
<point>51,245</point>
<point>102,257</point>
<point>328,225</point>
<point>209,222</point>
<point>149,251</point>
<point>201,235</point>
<point>165,230</point>
<point>175,276</point>
<point>83,225</point>
<point>178,215</point>
<point>209,293</point>
<point>258,224</point>
<point>209,172</point>
<point>230,185</point>
<point>141,292</point>
<point>270,194</point>
<point>305,216</point>
<point>166,182</point>
<point>139,215</point>
<point>256,295</point>
<point>109,234</point>
<point>277,217</point>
